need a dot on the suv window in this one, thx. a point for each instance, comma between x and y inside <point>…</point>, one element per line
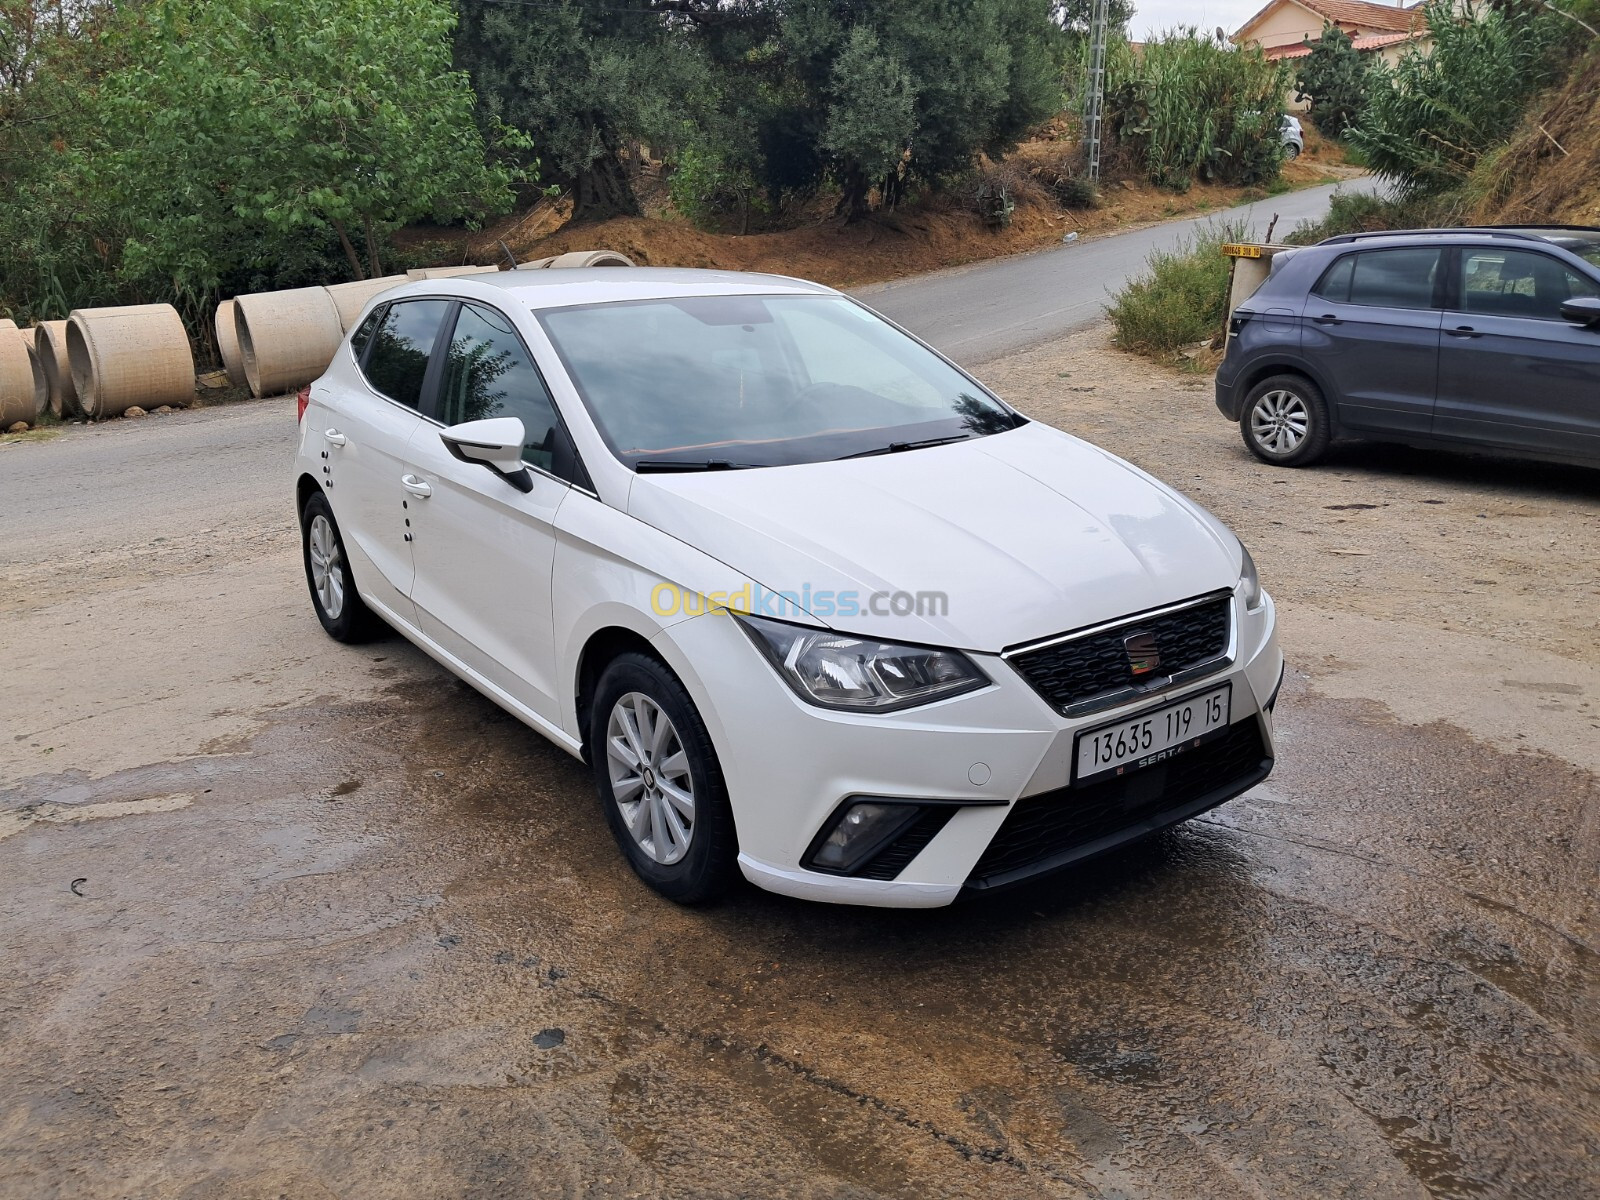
<point>1518,283</point>
<point>398,360</point>
<point>1393,278</point>
<point>488,373</point>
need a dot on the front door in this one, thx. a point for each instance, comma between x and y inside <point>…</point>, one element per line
<point>484,549</point>
<point>1511,372</point>
<point>1372,324</point>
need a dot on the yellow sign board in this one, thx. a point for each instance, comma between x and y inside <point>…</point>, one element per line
<point>1239,250</point>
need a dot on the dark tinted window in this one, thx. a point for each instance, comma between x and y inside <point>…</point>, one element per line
<point>363,333</point>
<point>1335,284</point>
<point>398,359</point>
<point>1518,283</point>
<point>488,374</point>
<point>1395,278</point>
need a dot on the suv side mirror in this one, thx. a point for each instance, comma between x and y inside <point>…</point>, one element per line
<point>496,443</point>
<point>1583,310</point>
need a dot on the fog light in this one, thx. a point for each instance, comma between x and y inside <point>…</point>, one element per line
<point>860,831</point>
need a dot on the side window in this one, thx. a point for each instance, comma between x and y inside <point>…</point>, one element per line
<point>487,373</point>
<point>363,333</point>
<point>398,359</point>
<point>1518,283</point>
<point>1335,283</point>
<point>1395,278</point>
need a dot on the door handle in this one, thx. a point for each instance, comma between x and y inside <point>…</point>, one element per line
<point>1328,319</point>
<point>1462,331</point>
<point>335,438</point>
<point>416,486</point>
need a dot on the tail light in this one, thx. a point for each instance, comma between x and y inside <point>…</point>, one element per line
<point>302,398</point>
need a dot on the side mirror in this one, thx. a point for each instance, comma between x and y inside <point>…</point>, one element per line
<point>1582,310</point>
<point>496,443</point>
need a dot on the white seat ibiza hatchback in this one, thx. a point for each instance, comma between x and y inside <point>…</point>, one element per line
<point>814,605</point>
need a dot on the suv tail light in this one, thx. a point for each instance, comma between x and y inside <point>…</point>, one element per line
<point>303,398</point>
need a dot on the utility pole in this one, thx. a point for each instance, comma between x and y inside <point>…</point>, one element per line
<point>1099,21</point>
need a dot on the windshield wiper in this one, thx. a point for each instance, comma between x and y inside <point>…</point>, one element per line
<point>663,466</point>
<point>902,447</point>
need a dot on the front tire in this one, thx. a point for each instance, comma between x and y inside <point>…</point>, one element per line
<point>660,782</point>
<point>1285,421</point>
<point>333,592</point>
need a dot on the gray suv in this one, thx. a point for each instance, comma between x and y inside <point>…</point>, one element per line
<point>1449,337</point>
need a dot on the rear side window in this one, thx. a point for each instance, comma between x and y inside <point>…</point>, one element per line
<point>1518,283</point>
<point>363,333</point>
<point>1394,278</point>
<point>398,359</point>
<point>1335,284</point>
<point>487,373</point>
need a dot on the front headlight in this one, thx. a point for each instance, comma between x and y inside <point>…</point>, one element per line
<point>835,670</point>
<point>1249,581</point>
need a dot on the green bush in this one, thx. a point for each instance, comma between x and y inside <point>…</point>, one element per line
<point>1431,117</point>
<point>1194,107</point>
<point>1181,299</point>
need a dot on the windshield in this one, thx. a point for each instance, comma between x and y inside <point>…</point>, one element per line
<point>757,381</point>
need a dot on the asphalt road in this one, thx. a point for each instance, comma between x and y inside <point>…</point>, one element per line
<point>977,313</point>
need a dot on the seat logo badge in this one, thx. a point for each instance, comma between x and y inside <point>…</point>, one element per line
<point>1143,656</point>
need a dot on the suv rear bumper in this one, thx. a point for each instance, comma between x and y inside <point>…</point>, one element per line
<point>1230,400</point>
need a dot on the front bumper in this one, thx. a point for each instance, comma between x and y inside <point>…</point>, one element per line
<point>1001,757</point>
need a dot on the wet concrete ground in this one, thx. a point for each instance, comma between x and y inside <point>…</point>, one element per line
<point>366,935</point>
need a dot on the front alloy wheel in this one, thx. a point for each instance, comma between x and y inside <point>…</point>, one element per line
<point>650,778</point>
<point>1285,421</point>
<point>660,782</point>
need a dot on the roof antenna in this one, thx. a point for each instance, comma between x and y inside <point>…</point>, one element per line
<point>510,257</point>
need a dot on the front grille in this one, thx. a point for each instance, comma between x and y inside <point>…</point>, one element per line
<point>1055,828</point>
<point>1079,669</point>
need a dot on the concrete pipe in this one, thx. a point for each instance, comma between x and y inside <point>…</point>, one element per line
<point>591,258</point>
<point>50,344</point>
<point>19,398</point>
<point>351,298</point>
<point>286,338</point>
<point>137,354</point>
<point>227,327</point>
<point>537,264</point>
<point>446,272</point>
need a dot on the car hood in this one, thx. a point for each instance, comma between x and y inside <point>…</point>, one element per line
<point>1026,533</point>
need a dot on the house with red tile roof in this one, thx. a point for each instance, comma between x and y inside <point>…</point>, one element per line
<point>1283,27</point>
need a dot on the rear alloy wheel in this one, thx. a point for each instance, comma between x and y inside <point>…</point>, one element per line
<point>1285,421</point>
<point>660,781</point>
<point>333,594</point>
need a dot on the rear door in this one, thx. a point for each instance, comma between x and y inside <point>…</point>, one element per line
<point>484,550</point>
<point>1372,325</point>
<point>366,443</point>
<point>1512,372</point>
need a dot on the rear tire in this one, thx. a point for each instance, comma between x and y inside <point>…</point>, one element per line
<point>660,782</point>
<point>333,591</point>
<point>1285,421</point>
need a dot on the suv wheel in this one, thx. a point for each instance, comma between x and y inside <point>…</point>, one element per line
<point>333,593</point>
<point>1285,421</point>
<point>660,781</point>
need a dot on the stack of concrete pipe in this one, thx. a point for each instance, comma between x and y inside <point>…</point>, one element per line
<point>281,341</point>
<point>23,393</point>
<point>134,355</point>
<point>50,346</point>
<point>579,258</point>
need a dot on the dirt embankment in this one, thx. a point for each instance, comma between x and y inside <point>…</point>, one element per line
<point>1550,171</point>
<point>940,231</point>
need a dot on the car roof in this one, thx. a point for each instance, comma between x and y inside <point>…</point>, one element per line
<point>1566,236</point>
<point>566,287</point>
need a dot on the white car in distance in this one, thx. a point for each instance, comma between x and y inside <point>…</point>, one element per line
<point>814,605</point>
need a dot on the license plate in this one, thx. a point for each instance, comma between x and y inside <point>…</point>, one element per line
<point>1152,737</point>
